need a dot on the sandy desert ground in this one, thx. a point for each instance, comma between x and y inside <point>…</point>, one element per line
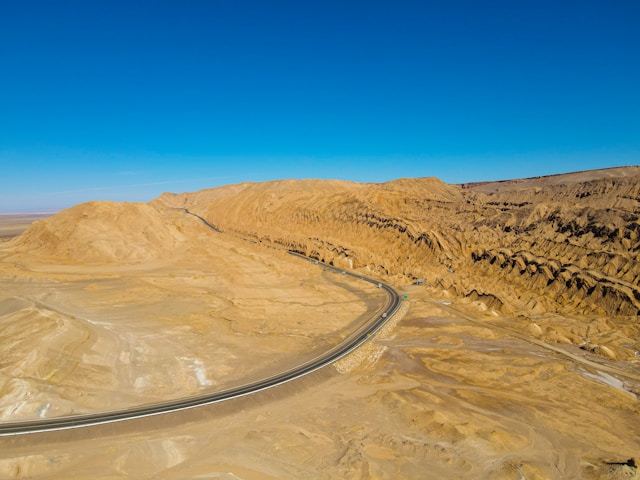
<point>494,379</point>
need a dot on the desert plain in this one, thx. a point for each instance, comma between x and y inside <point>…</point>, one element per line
<point>515,354</point>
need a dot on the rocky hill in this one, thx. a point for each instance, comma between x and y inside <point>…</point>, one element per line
<point>99,232</point>
<point>564,243</point>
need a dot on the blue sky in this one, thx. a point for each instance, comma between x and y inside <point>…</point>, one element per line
<point>122,100</point>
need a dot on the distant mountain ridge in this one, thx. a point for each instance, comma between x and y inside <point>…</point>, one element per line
<point>555,179</point>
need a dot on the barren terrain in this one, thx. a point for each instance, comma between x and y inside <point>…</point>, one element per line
<point>517,357</point>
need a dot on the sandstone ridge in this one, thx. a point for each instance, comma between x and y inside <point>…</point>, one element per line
<point>566,243</point>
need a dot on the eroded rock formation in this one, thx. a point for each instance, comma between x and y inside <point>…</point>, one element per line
<point>563,243</point>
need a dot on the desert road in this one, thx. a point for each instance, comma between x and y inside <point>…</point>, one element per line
<point>212,227</point>
<point>349,344</point>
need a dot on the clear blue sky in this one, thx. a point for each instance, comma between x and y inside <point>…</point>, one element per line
<point>122,100</point>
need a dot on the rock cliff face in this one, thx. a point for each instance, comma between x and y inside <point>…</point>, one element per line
<point>565,243</point>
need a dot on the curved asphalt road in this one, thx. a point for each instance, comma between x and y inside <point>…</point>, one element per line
<point>349,344</point>
<point>212,227</point>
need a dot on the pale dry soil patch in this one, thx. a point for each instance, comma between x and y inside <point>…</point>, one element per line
<point>437,396</point>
